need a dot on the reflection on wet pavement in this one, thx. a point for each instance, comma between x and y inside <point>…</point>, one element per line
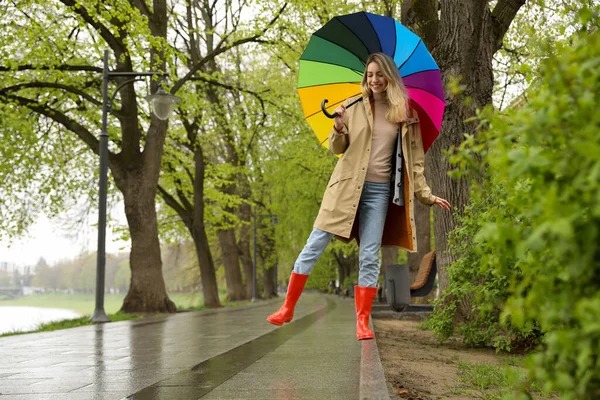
<point>226,354</point>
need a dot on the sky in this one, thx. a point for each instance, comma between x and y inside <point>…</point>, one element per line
<point>49,240</point>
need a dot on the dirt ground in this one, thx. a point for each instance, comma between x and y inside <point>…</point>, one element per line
<point>417,367</point>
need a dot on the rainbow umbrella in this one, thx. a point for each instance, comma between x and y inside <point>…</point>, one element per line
<point>333,63</point>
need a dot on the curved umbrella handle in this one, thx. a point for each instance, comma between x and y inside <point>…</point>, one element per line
<point>331,116</point>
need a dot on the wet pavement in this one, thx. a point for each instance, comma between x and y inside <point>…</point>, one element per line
<point>222,354</point>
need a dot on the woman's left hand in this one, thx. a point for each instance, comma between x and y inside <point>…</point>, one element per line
<point>443,203</point>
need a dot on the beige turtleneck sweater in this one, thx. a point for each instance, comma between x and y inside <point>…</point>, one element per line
<point>383,141</point>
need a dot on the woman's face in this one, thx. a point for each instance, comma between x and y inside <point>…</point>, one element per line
<point>375,80</point>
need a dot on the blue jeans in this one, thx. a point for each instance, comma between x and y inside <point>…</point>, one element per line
<point>372,210</point>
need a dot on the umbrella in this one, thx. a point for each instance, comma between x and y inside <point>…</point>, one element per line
<point>333,63</point>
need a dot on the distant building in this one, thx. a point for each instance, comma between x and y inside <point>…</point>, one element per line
<point>21,269</point>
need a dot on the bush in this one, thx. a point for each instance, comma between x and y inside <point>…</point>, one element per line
<point>534,256</point>
<point>471,305</point>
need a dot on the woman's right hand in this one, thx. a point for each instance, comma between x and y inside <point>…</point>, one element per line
<point>339,119</point>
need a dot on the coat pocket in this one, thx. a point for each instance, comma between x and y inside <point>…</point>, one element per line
<point>335,180</point>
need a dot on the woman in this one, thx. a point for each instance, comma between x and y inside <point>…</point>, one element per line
<point>370,193</point>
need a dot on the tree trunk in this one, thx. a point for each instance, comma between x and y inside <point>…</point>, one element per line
<point>244,246</point>
<point>136,174</point>
<point>346,264</point>
<point>198,230</point>
<point>208,276</point>
<point>389,255</point>
<point>147,292</point>
<point>268,259</point>
<point>342,274</point>
<point>463,36</point>
<point>192,215</point>
<point>233,275</point>
<point>464,51</point>
<point>270,282</point>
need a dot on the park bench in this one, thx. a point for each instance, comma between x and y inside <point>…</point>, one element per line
<point>399,289</point>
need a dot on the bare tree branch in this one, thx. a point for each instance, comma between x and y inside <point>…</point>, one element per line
<point>172,202</point>
<point>502,16</point>
<point>115,44</point>
<point>57,116</point>
<point>141,5</point>
<point>422,16</point>
<point>63,67</point>
<point>221,49</point>
<point>66,88</point>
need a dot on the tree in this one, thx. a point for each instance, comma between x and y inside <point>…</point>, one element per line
<point>57,80</point>
<point>45,277</point>
<point>214,137</point>
<point>463,37</point>
<point>55,84</point>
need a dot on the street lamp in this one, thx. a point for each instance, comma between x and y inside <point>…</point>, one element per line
<point>273,222</point>
<point>163,105</point>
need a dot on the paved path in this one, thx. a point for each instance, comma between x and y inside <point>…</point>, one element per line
<point>227,354</point>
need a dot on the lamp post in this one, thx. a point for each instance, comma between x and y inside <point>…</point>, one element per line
<point>163,105</point>
<point>273,222</point>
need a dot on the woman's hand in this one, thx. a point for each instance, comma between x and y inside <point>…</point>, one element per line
<point>339,120</point>
<point>443,203</point>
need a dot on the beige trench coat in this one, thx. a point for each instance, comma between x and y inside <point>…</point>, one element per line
<point>340,202</point>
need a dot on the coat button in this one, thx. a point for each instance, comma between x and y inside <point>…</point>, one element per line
<point>363,169</point>
<point>399,169</point>
<point>399,185</point>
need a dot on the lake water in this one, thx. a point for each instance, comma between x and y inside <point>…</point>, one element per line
<point>28,318</point>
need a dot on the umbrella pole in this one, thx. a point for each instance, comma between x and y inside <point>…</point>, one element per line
<point>332,116</point>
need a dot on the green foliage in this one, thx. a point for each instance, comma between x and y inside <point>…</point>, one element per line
<point>557,250</point>
<point>528,243</point>
<point>472,303</point>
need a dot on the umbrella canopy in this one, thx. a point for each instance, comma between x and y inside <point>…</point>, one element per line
<point>333,63</point>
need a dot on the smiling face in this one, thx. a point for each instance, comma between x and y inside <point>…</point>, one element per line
<point>375,78</point>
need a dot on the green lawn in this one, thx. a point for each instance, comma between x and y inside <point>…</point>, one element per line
<point>84,303</point>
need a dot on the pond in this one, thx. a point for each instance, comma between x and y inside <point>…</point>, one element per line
<point>28,318</point>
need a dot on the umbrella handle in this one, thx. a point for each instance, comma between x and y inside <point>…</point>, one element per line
<point>332,116</point>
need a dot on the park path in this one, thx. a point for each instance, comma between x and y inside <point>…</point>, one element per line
<point>220,354</point>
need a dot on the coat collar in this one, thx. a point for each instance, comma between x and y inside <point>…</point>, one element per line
<point>412,119</point>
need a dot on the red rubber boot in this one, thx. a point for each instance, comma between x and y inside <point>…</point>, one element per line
<point>286,311</point>
<point>363,300</point>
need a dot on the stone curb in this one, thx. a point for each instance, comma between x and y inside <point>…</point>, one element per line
<point>373,385</point>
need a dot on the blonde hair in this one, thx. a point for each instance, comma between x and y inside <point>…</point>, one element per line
<point>396,93</point>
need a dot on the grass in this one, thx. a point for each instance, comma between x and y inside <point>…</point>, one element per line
<point>490,382</point>
<point>72,323</point>
<point>84,304</point>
